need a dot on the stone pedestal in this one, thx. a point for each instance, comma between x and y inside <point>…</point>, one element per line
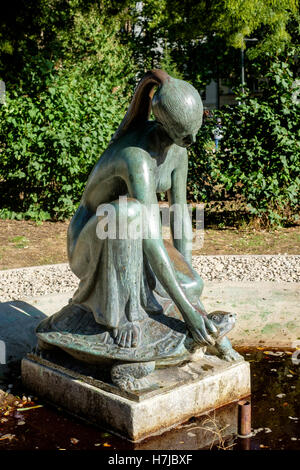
<point>176,393</point>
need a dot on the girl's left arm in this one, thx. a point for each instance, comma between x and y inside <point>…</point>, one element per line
<point>181,225</point>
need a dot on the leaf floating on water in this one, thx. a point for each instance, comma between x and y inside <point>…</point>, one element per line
<point>281,395</point>
<point>31,408</point>
<point>74,440</point>
<point>293,418</point>
<point>274,353</point>
<point>20,423</point>
<point>266,430</point>
<point>97,444</point>
<point>263,447</point>
<point>106,444</point>
<point>7,436</point>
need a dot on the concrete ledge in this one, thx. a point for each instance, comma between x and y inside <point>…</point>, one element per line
<point>267,312</point>
<point>209,384</point>
<point>267,315</point>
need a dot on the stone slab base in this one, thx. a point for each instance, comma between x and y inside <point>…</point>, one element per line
<point>176,394</point>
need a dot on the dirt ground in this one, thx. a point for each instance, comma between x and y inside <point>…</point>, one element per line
<point>26,243</point>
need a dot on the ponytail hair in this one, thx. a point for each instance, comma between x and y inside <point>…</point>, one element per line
<point>140,106</point>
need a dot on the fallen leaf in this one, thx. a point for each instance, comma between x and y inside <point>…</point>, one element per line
<point>106,444</point>
<point>274,353</point>
<point>258,430</point>
<point>74,440</point>
<point>7,436</point>
<point>31,408</point>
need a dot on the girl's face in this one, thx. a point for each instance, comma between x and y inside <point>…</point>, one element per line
<point>182,136</point>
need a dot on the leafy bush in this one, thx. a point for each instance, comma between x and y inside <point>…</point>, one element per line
<point>259,157</point>
<point>52,134</point>
<point>203,160</point>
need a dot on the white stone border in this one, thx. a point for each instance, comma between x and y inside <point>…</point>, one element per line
<point>36,281</point>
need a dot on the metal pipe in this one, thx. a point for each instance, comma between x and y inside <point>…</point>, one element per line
<point>243,61</point>
<point>243,69</point>
<point>244,443</point>
<point>244,418</point>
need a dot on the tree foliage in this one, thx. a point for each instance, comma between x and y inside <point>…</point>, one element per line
<point>176,21</point>
<point>56,125</point>
<point>260,152</point>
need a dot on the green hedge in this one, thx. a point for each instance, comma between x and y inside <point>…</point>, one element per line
<point>50,144</point>
<point>259,156</point>
<point>50,140</point>
<point>55,127</point>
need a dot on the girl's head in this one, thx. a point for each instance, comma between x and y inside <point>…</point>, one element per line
<point>177,106</point>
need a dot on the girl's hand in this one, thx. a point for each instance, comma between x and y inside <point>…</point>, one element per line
<point>202,329</point>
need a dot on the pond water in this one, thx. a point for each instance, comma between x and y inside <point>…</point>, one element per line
<point>32,424</point>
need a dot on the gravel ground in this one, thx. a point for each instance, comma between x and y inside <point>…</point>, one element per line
<point>244,268</point>
<point>42,280</point>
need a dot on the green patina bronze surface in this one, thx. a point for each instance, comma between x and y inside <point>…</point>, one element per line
<point>138,300</point>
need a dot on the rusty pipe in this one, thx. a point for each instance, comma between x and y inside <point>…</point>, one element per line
<point>244,418</point>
